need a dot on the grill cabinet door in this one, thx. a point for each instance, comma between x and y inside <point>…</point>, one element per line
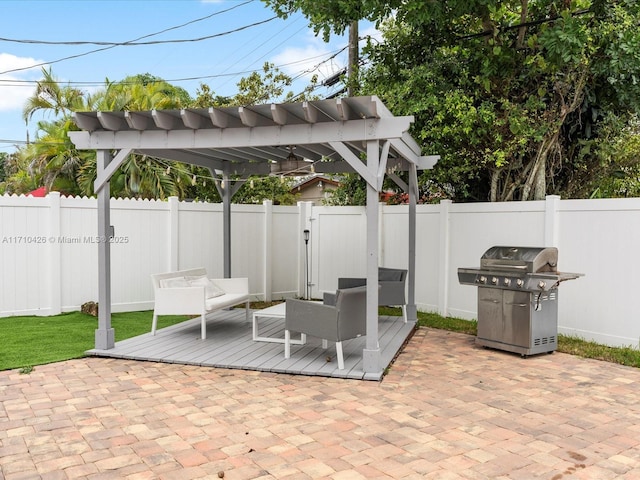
<point>517,318</point>
<point>490,323</point>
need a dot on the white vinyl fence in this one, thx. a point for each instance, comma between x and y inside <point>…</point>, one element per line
<point>48,252</point>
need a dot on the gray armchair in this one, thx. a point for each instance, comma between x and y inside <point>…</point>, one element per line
<point>342,321</point>
<point>392,288</point>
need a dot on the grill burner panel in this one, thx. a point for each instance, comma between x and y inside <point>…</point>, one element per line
<point>496,278</point>
<point>517,298</point>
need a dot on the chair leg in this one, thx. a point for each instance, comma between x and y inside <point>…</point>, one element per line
<point>287,344</point>
<point>203,326</point>
<point>154,324</point>
<point>340,356</point>
<point>404,313</point>
<point>325,344</point>
<point>246,310</point>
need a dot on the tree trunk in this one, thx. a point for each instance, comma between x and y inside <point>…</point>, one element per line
<point>493,194</point>
<point>540,183</point>
<point>522,31</point>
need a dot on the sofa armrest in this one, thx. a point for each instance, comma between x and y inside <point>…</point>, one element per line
<point>329,298</point>
<point>311,318</point>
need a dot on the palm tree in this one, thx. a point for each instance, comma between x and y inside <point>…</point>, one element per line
<point>56,163</point>
<point>51,96</point>
<point>53,159</point>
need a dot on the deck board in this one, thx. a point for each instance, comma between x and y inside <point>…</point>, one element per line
<point>229,344</point>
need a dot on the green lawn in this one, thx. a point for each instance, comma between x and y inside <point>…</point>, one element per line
<point>28,341</point>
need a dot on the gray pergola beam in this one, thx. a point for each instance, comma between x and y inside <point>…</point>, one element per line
<point>347,131</point>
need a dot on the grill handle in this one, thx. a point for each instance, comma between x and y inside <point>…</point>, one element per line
<point>503,266</point>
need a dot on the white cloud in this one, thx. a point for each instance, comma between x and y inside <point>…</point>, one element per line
<point>310,59</point>
<point>373,32</point>
<point>14,89</point>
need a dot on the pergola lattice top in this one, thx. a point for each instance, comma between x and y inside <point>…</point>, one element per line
<point>249,140</point>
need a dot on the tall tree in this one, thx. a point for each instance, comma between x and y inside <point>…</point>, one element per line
<point>515,95</point>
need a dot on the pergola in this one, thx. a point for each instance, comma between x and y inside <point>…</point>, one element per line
<point>355,134</point>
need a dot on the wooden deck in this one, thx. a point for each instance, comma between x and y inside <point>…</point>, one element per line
<point>229,344</point>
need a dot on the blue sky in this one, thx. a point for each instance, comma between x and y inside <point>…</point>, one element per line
<point>219,62</point>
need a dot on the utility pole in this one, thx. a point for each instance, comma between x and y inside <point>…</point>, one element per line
<point>352,68</point>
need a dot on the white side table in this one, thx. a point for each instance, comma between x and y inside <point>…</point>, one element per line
<point>276,311</point>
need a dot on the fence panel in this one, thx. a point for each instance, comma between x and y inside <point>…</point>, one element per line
<point>25,249</point>
<point>78,252</point>
<point>48,252</point>
<point>474,228</point>
<point>285,252</point>
<point>200,238</point>
<point>600,239</point>
<point>338,246</point>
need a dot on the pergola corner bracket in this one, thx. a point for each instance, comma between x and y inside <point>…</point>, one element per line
<point>104,175</point>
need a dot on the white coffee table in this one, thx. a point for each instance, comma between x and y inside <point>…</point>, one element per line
<point>276,311</point>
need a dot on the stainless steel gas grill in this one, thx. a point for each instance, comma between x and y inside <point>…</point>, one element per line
<point>517,298</point>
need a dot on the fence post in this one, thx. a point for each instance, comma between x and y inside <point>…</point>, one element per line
<point>444,260</point>
<point>268,249</point>
<point>174,228</point>
<point>551,219</point>
<point>55,255</point>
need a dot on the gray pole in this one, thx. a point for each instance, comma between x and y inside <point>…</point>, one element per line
<point>371,361</point>
<point>226,220</point>
<point>104,335</point>
<point>412,311</point>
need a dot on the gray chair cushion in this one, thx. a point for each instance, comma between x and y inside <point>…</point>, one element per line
<point>392,287</point>
<point>342,321</point>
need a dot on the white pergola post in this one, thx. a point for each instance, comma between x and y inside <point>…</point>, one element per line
<point>226,223</point>
<point>371,361</point>
<point>412,311</point>
<point>105,335</point>
<point>225,190</point>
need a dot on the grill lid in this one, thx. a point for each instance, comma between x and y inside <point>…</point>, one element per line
<point>523,259</point>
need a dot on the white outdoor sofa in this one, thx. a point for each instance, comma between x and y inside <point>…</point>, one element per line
<point>191,292</point>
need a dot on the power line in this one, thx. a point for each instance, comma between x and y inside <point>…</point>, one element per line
<point>264,43</point>
<point>88,83</point>
<point>132,42</point>
<point>47,42</point>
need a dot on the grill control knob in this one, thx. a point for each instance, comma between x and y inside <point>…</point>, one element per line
<point>541,284</point>
<point>483,279</point>
<point>507,281</point>
<point>520,282</point>
<point>494,280</point>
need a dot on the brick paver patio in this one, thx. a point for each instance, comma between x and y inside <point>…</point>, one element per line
<point>447,410</point>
